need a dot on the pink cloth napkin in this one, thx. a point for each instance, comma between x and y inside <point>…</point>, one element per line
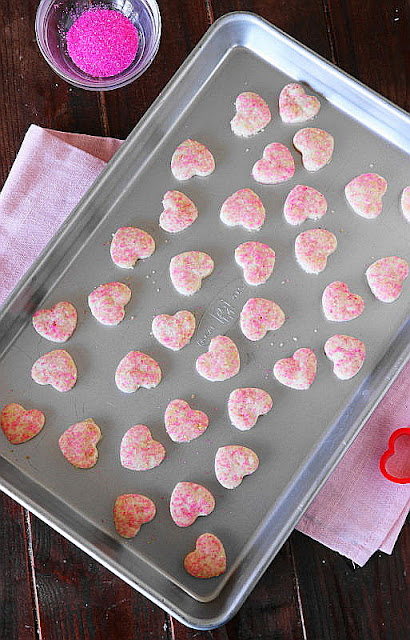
<point>357,511</point>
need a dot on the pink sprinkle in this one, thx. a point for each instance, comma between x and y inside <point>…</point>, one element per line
<point>102,42</point>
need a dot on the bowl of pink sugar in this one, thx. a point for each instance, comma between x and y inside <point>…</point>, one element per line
<point>98,44</point>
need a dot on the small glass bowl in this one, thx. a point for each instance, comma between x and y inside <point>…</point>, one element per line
<point>55,17</point>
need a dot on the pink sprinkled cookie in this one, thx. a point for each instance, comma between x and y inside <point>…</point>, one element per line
<point>313,247</point>
<point>298,371</point>
<point>190,159</point>
<point>244,207</point>
<point>316,147</point>
<point>136,370</point>
<point>277,165</point>
<point>179,212</point>
<point>209,558</point>
<point>182,423</point>
<point>221,362</point>
<point>19,424</point>
<point>347,354</point>
<point>139,451</point>
<point>107,302</point>
<point>130,244</point>
<point>340,304</point>
<point>259,316</point>
<point>188,269</point>
<point>252,114</point>
<point>131,511</point>
<point>364,194</point>
<point>304,202</point>
<point>56,368</point>
<point>78,444</point>
<point>405,203</point>
<point>257,261</point>
<point>56,324</point>
<point>386,277</point>
<point>245,405</point>
<point>233,463</point>
<point>175,331</point>
<point>295,105</point>
<point>188,501</point>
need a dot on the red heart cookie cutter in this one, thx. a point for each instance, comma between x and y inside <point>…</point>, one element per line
<point>395,461</point>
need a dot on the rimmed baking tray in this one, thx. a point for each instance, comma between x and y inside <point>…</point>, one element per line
<point>301,440</point>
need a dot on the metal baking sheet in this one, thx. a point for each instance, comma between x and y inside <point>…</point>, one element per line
<point>300,441</point>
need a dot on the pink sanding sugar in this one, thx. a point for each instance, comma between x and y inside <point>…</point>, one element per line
<point>102,42</point>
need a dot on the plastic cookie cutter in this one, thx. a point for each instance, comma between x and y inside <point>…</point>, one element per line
<point>395,461</point>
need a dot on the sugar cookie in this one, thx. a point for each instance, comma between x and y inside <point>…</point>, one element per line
<point>56,324</point>
<point>347,354</point>
<point>209,558</point>
<point>130,244</point>
<point>405,203</point>
<point>188,501</point>
<point>176,331</point>
<point>139,451</point>
<point>244,207</point>
<point>221,360</point>
<point>339,304</point>
<point>56,368</point>
<point>295,105</point>
<point>259,316</point>
<point>233,463</point>
<point>304,202</point>
<point>313,247</point>
<point>78,444</point>
<point>316,147</point>
<point>252,114</point>
<point>276,165</point>
<point>136,370</point>
<point>182,423</point>
<point>190,159</point>
<point>386,277</point>
<point>257,261</point>
<point>179,212</point>
<point>107,302</point>
<point>245,405</point>
<point>19,424</point>
<point>364,194</point>
<point>131,511</point>
<point>298,371</point>
<point>188,269</point>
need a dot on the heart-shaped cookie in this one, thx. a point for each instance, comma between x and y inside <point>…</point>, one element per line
<point>130,244</point>
<point>78,444</point>
<point>209,558</point>
<point>405,203</point>
<point>257,261</point>
<point>179,212</point>
<point>188,269</point>
<point>313,247</point>
<point>259,316</point>
<point>19,424</point>
<point>56,368</point>
<point>304,202</point>
<point>364,194</point>
<point>252,114</point>
<point>174,331</point>
<point>188,501</point>
<point>295,105</point>
<point>182,423</point>
<point>316,147</point>
<point>340,304</point>
<point>233,463</point>
<point>136,370</point>
<point>395,461</point>
<point>139,451</point>
<point>131,511</point>
<point>107,302</point>
<point>245,405</point>
<point>347,354</point>
<point>298,371</point>
<point>56,324</point>
<point>277,165</point>
<point>244,207</point>
<point>190,159</point>
<point>221,361</point>
<point>386,277</point>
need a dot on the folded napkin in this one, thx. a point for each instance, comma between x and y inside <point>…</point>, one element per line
<point>357,511</point>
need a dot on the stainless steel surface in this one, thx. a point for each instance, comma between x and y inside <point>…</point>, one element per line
<point>300,441</point>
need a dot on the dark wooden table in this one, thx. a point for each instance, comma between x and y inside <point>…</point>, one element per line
<point>50,590</point>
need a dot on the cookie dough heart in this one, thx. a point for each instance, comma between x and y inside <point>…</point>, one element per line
<point>252,114</point>
<point>209,558</point>
<point>244,207</point>
<point>295,105</point>
<point>346,353</point>
<point>179,212</point>
<point>19,424</point>
<point>405,203</point>
<point>316,147</point>
<point>139,451</point>
<point>221,361</point>
<point>304,202</point>
<point>56,368</point>
<point>245,405</point>
<point>277,165</point>
<point>78,444</point>
<point>130,244</point>
<point>136,370</point>
<point>190,159</point>
<point>257,261</point>
<point>56,324</point>
<point>233,463</point>
<point>364,194</point>
<point>259,316</point>
<point>107,302</point>
<point>175,331</point>
<point>182,423</point>
<point>131,511</point>
<point>188,269</point>
<point>188,501</point>
<point>386,277</point>
<point>340,304</point>
<point>298,371</point>
<point>313,247</point>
